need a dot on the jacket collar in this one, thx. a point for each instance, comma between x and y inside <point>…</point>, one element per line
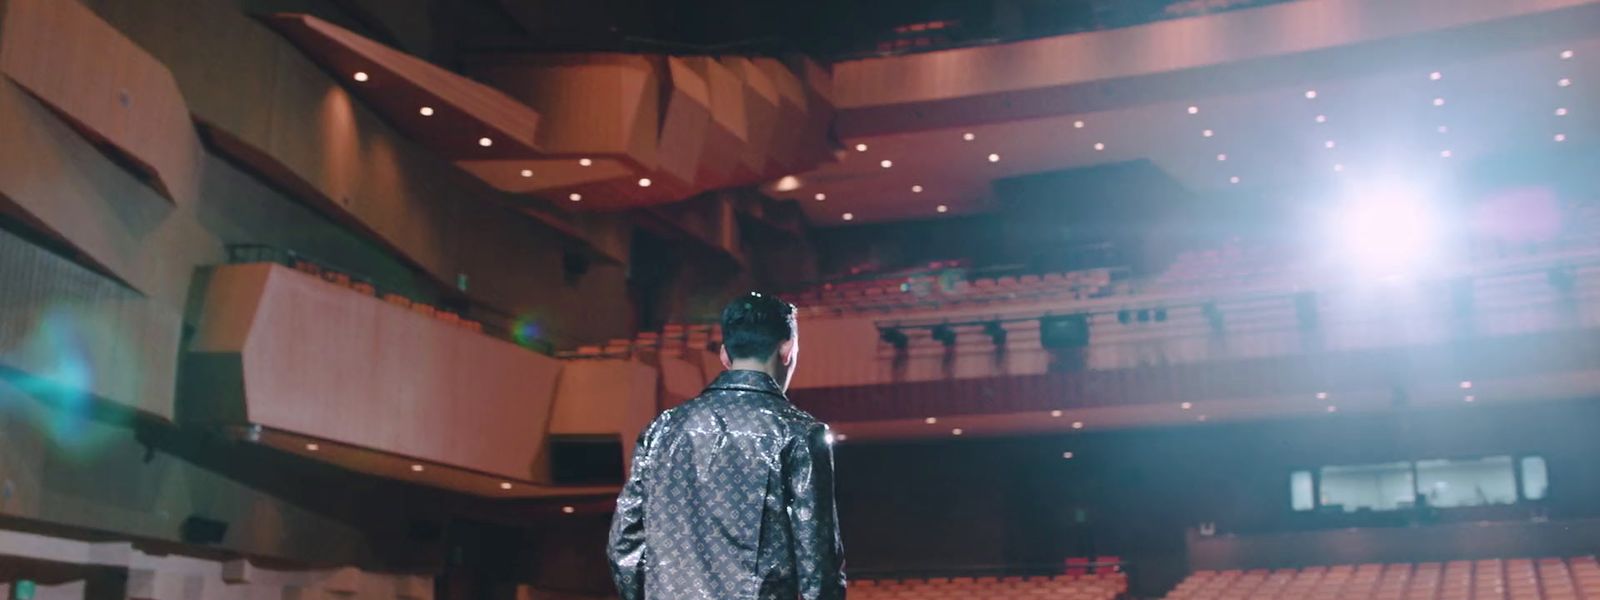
<point>746,381</point>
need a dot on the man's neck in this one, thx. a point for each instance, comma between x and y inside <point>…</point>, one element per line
<point>753,365</point>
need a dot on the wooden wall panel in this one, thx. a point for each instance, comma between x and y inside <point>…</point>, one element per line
<point>323,361</point>
<point>817,144</point>
<point>681,380</point>
<point>761,115</point>
<point>599,106</point>
<point>728,134</point>
<point>785,156</point>
<point>119,94</point>
<point>598,397</point>
<point>686,121</point>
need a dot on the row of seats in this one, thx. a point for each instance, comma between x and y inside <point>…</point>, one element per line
<point>932,291</point>
<point>674,339</point>
<point>344,280</point>
<point>1088,586</point>
<point>1494,579</point>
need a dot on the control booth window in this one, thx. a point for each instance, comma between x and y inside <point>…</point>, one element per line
<point>1429,483</point>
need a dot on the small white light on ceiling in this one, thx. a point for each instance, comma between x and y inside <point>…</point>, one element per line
<point>1311,94</point>
<point>1438,101</point>
<point>527,173</point>
<point>1067,455</point>
<point>1332,408</point>
<point>842,437</point>
<point>1077,124</point>
<point>313,447</point>
<point>1435,76</point>
<point>584,162</point>
<point>885,163</point>
<point>644,182</point>
<point>968,136</point>
<point>956,431</point>
<point>787,183</point>
<point>1445,154</point>
<point>360,76</point>
<point>916,189</point>
<point>1322,118</point>
<point>1201,418</point>
<point>1561,137</point>
<point>1564,82</point>
<point>820,196</point>
<point>1055,413</point>
<point>1328,144</point>
<point>1469,398</point>
<point>849,216</point>
<point>1098,146</point>
<point>994,158</point>
<point>1444,129</point>
<point>485,142</point>
<point>416,468</point>
<point>1222,157</point>
<point>1234,179</point>
<point>861,147</point>
<point>568,510</point>
<point>575,197</point>
<point>1561,112</point>
<point>1186,406</point>
<point>1338,168</point>
<point>1077,424</point>
<point>426,111</point>
<point>1566,54</point>
<point>1322,395</point>
<point>931,420</point>
<point>505,485</point>
<point>942,208</point>
<point>1206,133</point>
<point>1194,110</point>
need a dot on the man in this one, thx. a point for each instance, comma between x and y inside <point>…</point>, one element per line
<point>731,494</point>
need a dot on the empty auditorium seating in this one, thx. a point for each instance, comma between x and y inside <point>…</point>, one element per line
<point>1493,579</point>
<point>1097,586</point>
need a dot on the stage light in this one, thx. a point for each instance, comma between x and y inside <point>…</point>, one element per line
<point>1144,315</point>
<point>360,76</point>
<point>426,111</point>
<point>1099,146</point>
<point>916,189</point>
<point>894,337</point>
<point>968,136</point>
<point>1561,112</point>
<point>575,197</point>
<point>885,163</point>
<point>848,216</point>
<point>1386,229</point>
<point>527,173</point>
<point>994,158</point>
<point>1124,316</point>
<point>416,468</point>
<point>584,162</point>
<point>820,196</point>
<point>945,335</point>
<point>1077,124</point>
<point>485,142</point>
<point>942,208</point>
<point>861,147</point>
<point>1161,315</point>
<point>568,510</point>
<point>996,333</point>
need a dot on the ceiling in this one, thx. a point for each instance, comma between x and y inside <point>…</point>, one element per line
<point>1382,119</point>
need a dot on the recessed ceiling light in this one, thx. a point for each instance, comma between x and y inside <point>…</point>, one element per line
<point>1067,455</point>
<point>485,142</point>
<point>1438,101</point>
<point>1077,124</point>
<point>416,468</point>
<point>1466,385</point>
<point>1055,413</point>
<point>1332,408</point>
<point>885,163</point>
<point>360,76</point>
<point>1564,82</point>
<point>916,189</point>
<point>313,447</point>
<point>527,173</point>
<point>1444,129</point>
<point>1445,154</point>
<point>1322,118</point>
<point>1201,418</point>
<point>644,182</point>
<point>1311,94</point>
<point>931,420</point>
<point>1328,144</point>
<point>584,162</point>
<point>1098,146</point>
<point>942,208</point>
<point>968,136</point>
<point>1566,54</point>
<point>575,197</point>
<point>1561,112</point>
<point>841,437</point>
<point>426,111</point>
<point>1469,398</point>
<point>1206,133</point>
<point>1436,76</point>
<point>505,485</point>
<point>1077,424</point>
<point>1234,179</point>
<point>568,510</point>
<point>849,216</point>
<point>1561,137</point>
<point>1338,168</point>
<point>1194,110</point>
<point>861,147</point>
<point>820,196</point>
<point>1186,406</point>
<point>1322,395</point>
<point>1222,157</point>
<point>956,431</point>
<point>994,158</point>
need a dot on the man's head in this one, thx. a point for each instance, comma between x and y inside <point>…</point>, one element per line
<point>759,333</point>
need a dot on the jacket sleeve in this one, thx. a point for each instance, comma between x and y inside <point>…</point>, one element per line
<point>626,549</point>
<point>818,552</point>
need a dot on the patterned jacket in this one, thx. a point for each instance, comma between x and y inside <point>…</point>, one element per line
<point>730,497</point>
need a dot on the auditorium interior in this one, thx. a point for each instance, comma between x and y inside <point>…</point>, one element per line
<point>1101,299</point>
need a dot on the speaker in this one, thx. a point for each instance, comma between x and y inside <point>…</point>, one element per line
<point>1069,331</point>
<point>586,460</point>
<point>200,530</point>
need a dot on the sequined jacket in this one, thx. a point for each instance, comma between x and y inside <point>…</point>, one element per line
<point>730,497</point>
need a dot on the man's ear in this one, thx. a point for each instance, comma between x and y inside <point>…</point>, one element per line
<point>726,362</point>
<point>786,352</point>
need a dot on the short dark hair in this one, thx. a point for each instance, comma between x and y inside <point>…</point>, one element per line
<point>753,325</point>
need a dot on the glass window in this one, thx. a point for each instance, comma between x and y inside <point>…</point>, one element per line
<point>1535,479</point>
<point>1386,486</point>
<point>1470,482</point>
<point>1300,491</point>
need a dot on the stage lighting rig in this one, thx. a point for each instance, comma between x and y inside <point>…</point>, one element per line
<point>945,334</point>
<point>894,337</point>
